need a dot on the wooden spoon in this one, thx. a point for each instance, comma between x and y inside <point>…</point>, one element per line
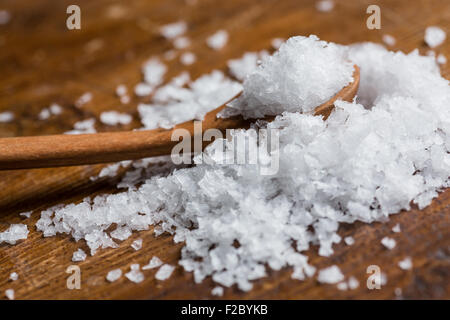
<point>70,150</point>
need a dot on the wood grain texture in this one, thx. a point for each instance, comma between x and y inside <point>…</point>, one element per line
<point>41,62</point>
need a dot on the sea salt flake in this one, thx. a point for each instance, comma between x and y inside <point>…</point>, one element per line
<point>325,5</point>
<point>330,275</point>
<point>9,293</point>
<point>26,214</point>
<point>164,272</point>
<point>83,127</point>
<point>353,283</point>
<point>188,58</point>
<point>349,241</point>
<point>181,43</point>
<point>396,228</point>
<point>154,71</point>
<point>85,98</point>
<point>389,40</point>
<point>434,36</point>
<point>79,255</point>
<point>277,42</point>
<point>173,30</point>
<point>14,233</point>
<point>114,275</point>
<point>143,89</point>
<point>6,116</point>
<point>121,90</point>
<point>218,40</point>
<point>388,243</point>
<point>135,275</point>
<point>405,264</point>
<point>441,59</point>
<point>13,276</point>
<point>217,291</point>
<point>137,244</point>
<point>113,118</point>
<point>154,262</point>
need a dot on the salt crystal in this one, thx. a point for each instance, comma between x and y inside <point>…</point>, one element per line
<point>125,99</point>
<point>330,275</point>
<point>164,272</point>
<point>405,264</point>
<point>218,40</point>
<point>9,294</point>
<point>188,58</point>
<point>277,42</point>
<point>173,30</point>
<point>217,291</point>
<point>13,276</point>
<point>244,66</point>
<point>121,233</point>
<point>349,241</point>
<point>181,43</point>
<point>26,214</point>
<point>143,89</point>
<point>434,36</point>
<point>343,286</point>
<point>79,255</point>
<point>154,71</point>
<point>114,275</point>
<point>85,98</point>
<point>5,17</point>
<point>441,59</point>
<point>113,118</point>
<point>325,5</point>
<point>14,233</point>
<point>135,275</point>
<point>155,262</point>
<point>388,243</point>
<point>353,283</point>
<point>83,127</point>
<point>170,54</point>
<point>121,90</point>
<point>304,73</point>
<point>396,228</point>
<point>44,114</point>
<point>6,116</point>
<point>55,109</point>
<point>137,244</point>
<point>389,40</point>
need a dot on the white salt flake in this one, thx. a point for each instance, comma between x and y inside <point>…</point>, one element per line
<point>6,116</point>
<point>330,275</point>
<point>188,58</point>
<point>13,276</point>
<point>26,214</point>
<point>154,71</point>
<point>181,43</point>
<point>343,286</point>
<point>277,42</point>
<point>405,264</point>
<point>114,275</point>
<point>218,40</point>
<point>349,241</point>
<point>137,244</point>
<point>155,262</point>
<point>164,272</point>
<point>434,36</point>
<point>217,291</point>
<point>388,243</point>
<point>441,59</point>
<point>121,90</point>
<point>85,98</point>
<point>389,40</point>
<point>396,228</point>
<point>113,118</point>
<point>143,89</point>
<point>353,283</point>
<point>173,30</point>
<point>9,293</point>
<point>79,255</point>
<point>83,127</point>
<point>325,5</point>
<point>14,233</point>
<point>135,275</point>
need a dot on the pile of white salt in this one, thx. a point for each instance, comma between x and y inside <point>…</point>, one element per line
<point>372,158</point>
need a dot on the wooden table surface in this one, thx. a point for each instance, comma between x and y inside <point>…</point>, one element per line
<point>42,62</point>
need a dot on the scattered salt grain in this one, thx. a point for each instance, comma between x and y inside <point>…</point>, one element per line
<point>46,113</point>
<point>14,233</point>
<point>113,118</point>
<point>79,255</point>
<point>170,54</point>
<point>388,243</point>
<point>330,275</point>
<point>218,40</point>
<point>181,43</point>
<point>441,59</point>
<point>343,286</point>
<point>125,99</point>
<point>164,272</point>
<point>114,275</point>
<point>85,98</point>
<point>434,36</point>
<point>135,275</point>
<point>173,30</point>
<point>353,283</point>
<point>121,233</point>
<point>154,71</point>
<point>383,279</point>
<point>277,42</point>
<point>188,58</point>
<point>26,214</point>
<point>396,228</point>
<point>6,116</point>
<point>121,90</point>
<point>83,127</point>
<point>9,294</point>
<point>349,241</point>
<point>217,291</point>
<point>13,276</point>
<point>389,40</point>
<point>5,17</point>
<point>304,73</point>
<point>325,5</point>
<point>155,262</point>
<point>137,244</point>
<point>143,89</point>
<point>405,264</point>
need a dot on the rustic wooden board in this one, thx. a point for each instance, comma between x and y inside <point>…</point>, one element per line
<point>42,62</point>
